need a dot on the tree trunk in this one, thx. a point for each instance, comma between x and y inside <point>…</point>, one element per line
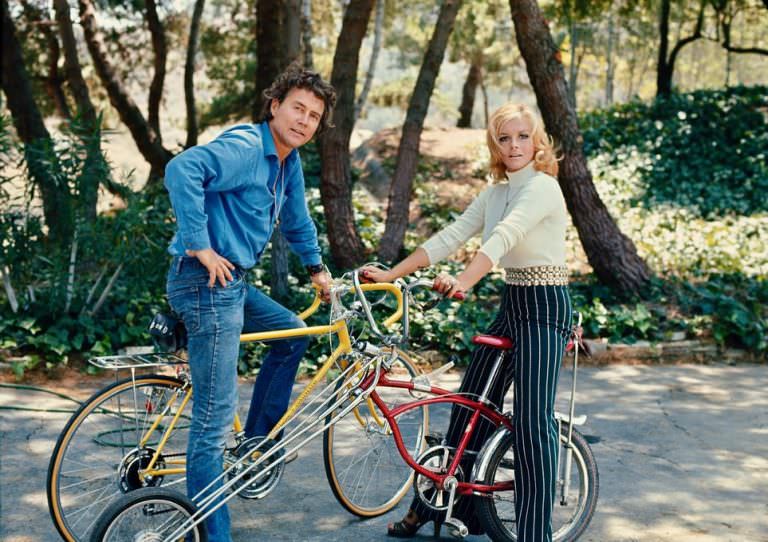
<point>612,255</point>
<point>663,73</point>
<point>468,92</point>
<point>486,115</point>
<point>292,31</point>
<point>89,128</point>
<point>666,66</point>
<point>160,49</point>
<point>378,27</point>
<point>189,74</point>
<point>306,32</point>
<point>38,146</point>
<point>269,48</point>
<point>54,80</point>
<point>144,135</point>
<point>408,151</point>
<point>347,248</point>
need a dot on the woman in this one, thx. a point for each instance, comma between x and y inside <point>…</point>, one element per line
<point>522,217</point>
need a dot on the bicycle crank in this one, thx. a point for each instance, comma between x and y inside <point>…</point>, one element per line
<point>259,482</point>
<point>436,459</point>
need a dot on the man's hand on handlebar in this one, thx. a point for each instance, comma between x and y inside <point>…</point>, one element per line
<point>323,282</point>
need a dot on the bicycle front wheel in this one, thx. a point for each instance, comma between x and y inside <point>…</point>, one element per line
<point>101,449</point>
<point>149,514</point>
<point>364,468</point>
<point>570,516</point>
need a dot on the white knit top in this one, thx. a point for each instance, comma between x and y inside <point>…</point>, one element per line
<point>523,223</point>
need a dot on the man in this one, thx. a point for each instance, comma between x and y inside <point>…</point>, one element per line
<point>228,197</point>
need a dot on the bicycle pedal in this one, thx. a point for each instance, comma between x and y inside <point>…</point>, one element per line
<point>456,528</point>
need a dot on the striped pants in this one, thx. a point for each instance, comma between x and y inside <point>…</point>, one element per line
<point>538,320</point>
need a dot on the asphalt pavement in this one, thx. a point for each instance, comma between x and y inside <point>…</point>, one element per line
<point>682,454</point>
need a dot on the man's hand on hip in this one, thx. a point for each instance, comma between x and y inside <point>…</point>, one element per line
<point>323,281</point>
<point>218,267</point>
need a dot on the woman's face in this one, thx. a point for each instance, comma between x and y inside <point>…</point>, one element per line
<point>516,143</point>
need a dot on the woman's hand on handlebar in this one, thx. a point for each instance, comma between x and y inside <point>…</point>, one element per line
<point>369,273</point>
<point>449,286</point>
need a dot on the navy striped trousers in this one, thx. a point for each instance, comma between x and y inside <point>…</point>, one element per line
<point>538,320</point>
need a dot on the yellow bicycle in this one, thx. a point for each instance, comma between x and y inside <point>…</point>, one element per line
<point>133,433</point>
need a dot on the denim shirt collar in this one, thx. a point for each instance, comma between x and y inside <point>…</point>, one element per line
<point>269,144</point>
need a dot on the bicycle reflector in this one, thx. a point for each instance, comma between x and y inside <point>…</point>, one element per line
<point>168,333</point>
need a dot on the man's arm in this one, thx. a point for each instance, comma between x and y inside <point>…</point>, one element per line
<point>221,165</point>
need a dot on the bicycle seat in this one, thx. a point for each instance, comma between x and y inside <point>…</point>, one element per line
<point>502,343</point>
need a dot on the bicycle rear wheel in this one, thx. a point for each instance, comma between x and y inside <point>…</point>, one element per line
<point>97,455</point>
<point>569,519</point>
<point>148,514</point>
<point>364,468</point>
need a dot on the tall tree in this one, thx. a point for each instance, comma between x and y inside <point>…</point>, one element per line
<point>378,30</point>
<point>612,254</point>
<point>269,47</point>
<point>38,146</point>
<point>160,50</point>
<point>469,90</point>
<point>146,138</point>
<point>347,248</point>
<point>189,74</point>
<point>727,10</point>
<point>665,67</point>
<point>55,79</point>
<point>408,151</point>
<point>89,126</point>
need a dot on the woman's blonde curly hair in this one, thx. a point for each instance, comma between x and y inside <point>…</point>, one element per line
<point>544,156</point>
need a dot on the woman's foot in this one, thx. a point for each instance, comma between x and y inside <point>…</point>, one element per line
<point>409,526</point>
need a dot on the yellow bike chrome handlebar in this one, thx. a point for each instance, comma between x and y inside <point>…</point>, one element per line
<point>369,287</point>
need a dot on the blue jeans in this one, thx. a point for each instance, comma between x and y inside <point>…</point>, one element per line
<point>215,318</point>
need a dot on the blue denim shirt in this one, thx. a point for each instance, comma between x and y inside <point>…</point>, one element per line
<point>227,196</point>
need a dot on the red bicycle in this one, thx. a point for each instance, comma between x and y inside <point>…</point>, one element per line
<point>376,446</point>
<point>353,465</point>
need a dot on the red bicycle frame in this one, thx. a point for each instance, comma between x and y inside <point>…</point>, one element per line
<point>440,396</point>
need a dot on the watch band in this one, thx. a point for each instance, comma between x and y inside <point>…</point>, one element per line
<point>314,269</point>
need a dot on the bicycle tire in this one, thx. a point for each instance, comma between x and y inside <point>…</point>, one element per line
<point>129,518</point>
<point>364,487</point>
<point>84,468</point>
<point>568,523</point>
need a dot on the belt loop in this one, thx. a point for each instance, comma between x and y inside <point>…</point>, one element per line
<point>179,261</point>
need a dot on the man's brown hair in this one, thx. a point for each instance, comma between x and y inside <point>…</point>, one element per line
<point>295,76</point>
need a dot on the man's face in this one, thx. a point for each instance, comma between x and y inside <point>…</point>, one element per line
<point>296,119</point>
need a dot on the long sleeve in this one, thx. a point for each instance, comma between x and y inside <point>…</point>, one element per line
<point>224,164</point>
<point>537,200</point>
<point>296,224</point>
<point>451,238</point>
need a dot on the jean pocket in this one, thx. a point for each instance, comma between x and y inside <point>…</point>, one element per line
<point>185,301</point>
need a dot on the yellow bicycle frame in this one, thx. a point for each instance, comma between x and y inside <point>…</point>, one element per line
<point>344,347</point>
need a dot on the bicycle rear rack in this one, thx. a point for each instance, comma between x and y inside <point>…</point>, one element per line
<point>136,361</point>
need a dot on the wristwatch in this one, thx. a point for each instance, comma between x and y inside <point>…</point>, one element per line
<point>314,269</point>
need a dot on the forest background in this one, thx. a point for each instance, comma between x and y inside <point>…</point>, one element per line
<point>659,109</point>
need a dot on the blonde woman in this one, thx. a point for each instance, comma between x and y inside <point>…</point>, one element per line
<point>522,217</point>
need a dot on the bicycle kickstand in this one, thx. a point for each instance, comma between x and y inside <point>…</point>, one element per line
<point>455,526</point>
